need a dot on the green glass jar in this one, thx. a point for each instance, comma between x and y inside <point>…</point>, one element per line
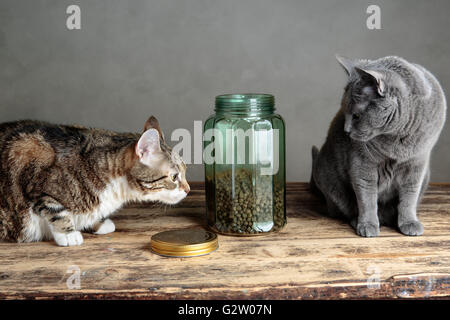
<point>244,156</point>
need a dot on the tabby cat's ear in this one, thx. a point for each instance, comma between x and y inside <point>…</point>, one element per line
<point>148,147</point>
<point>375,78</point>
<point>152,123</point>
<point>346,63</point>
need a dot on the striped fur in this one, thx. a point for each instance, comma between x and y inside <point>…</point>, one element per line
<point>58,180</point>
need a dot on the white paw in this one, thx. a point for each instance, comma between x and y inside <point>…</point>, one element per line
<point>73,238</point>
<point>106,227</point>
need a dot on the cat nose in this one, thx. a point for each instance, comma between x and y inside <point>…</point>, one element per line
<point>347,127</point>
<point>348,123</point>
<point>186,188</point>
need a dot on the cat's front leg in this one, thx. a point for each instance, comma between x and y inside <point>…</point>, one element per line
<point>365,186</point>
<point>60,221</point>
<point>104,226</point>
<point>409,189</point>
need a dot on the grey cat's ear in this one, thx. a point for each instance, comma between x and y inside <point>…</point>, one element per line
<point>377,78</point>
<point>148,147</point>
<point>152,123</point>
<point>346,63</point>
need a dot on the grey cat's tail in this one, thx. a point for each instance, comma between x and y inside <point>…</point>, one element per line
<point>312,183</point>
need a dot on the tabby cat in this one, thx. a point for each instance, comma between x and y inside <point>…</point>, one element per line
<point>58,180</point>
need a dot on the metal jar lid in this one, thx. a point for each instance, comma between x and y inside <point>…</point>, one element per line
<point>184,243</point>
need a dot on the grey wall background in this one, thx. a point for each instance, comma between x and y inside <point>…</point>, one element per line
<point>170,58</point>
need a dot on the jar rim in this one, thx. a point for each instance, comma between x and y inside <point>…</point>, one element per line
<point>245,102</point>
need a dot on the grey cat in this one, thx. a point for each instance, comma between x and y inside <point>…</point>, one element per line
<point>375,163</point>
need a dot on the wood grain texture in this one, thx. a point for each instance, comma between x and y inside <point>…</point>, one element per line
<point>313,257</point>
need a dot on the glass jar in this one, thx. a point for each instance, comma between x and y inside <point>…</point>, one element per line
<point>244,156</point>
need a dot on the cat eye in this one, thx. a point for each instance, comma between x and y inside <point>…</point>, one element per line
<point>149,183</point>
<point>356,116</point>
<point>174,177</point>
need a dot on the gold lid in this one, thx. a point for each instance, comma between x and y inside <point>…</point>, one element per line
<point>184,243</point>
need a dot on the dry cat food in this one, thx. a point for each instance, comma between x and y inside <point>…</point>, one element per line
<point>247,204</point>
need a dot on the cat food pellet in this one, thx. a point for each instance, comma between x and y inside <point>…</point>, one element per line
<point>247,204</point>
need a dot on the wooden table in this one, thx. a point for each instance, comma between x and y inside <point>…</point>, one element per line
<point>313,257</point>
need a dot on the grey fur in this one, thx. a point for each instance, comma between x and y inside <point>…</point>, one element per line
<point>374,165</point>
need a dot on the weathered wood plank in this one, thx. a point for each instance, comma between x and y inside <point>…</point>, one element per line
<point>312,257</point>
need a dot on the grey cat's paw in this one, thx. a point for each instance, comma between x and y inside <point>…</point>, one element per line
<point>367,229</point>
<point>411,228</point>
